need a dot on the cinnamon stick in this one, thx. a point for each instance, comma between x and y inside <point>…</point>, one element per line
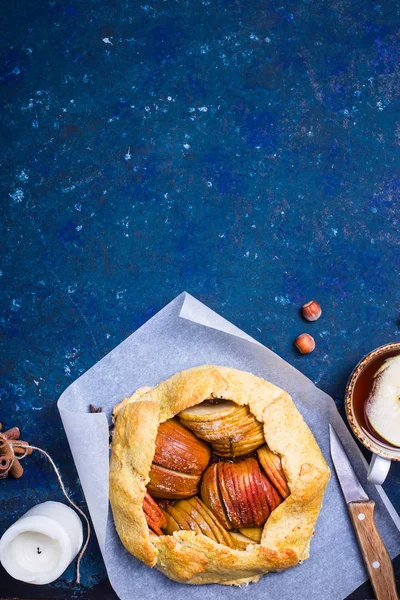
<point>5,462</point>
<point>16,469</point>
<point>12,434</point>
<point>22,448</point>
<point>11,447</point>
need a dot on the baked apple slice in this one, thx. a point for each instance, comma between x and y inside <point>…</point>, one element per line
<point>268,488</point>
<point>219,424</point>
<point>239,494</point>
<point>231,429</point>
<point>179,450</point>
<point>218,530</point>
<point>165,483</point>
<point>184,520</point>
<point>276,498</point>
<point>172,525</point>
<point>249,442</point>
<point>192,512</point>
<point>241,541</point>
<point>253,533</point>
<point>257,501</point>
<point>208,411</point>
<point>239,474</point>
<point>154,516</point>
<point>211,495</point>
<point>260,507</point>
<point>193,515</point>
<point>228,496</point>
<point>272,465</point>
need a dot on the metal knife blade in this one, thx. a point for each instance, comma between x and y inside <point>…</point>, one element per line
<point>351,487</point>
<point>361,511</point>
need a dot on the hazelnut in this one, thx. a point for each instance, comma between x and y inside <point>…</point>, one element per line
<point>305,343</point>
<point>311,311</point>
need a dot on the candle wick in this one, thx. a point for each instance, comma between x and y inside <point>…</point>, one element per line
<point>39,551</point>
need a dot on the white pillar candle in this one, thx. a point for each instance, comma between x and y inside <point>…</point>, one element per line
<point>42,543</point>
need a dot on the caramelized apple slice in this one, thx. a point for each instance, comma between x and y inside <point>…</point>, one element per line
<point>237,494</point>
<point>184,520</point>
<point>231,429</point>
<point>240,541</point>
<point>272,465</point>
<point>211,495</point>
<point>228,482</point>
<point>165,483</point>
<point>191,510</point>
<point>252,507</point>
<point>225,483</point>
<point>193,515</point>
<point>154,515</point>
<point>248,443</point>
<point>231,448</point>
<point>246,493</point>
<point>232,426</point>
<point>254,500</point>
<point>277,500</point>
<point>179,450</point>
<point>244,497</point>
<point>271,495</point>
<point>172,525</point>
<point>208,411</point>
<point>254,533</point>
<point>261,508</point>
<point>219,531</point>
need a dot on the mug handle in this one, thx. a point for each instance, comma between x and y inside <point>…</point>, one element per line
<point>378,469</point>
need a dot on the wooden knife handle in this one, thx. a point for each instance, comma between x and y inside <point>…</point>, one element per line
<point>376,557</point>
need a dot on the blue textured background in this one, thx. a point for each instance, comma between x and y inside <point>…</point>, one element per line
<point>247,152</point>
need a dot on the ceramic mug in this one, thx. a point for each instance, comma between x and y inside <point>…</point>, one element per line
<point>383,452</point>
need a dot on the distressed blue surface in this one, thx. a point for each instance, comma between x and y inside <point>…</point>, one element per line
<point>247,152</point>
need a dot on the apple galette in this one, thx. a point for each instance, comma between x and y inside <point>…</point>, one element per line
<point>215,477</point>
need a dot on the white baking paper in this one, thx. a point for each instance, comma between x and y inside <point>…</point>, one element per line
<point>185,334</point>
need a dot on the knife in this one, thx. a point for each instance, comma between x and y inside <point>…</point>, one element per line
<point>361,510</point>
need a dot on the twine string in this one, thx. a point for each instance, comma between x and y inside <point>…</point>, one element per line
<point>64,491</point>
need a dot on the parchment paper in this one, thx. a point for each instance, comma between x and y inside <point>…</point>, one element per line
<point>185,334</point>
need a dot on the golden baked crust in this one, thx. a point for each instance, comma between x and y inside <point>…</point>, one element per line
<point>194,558</point>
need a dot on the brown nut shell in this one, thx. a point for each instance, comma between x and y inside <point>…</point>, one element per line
<point>305,343</point>
<point>311,311</point>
